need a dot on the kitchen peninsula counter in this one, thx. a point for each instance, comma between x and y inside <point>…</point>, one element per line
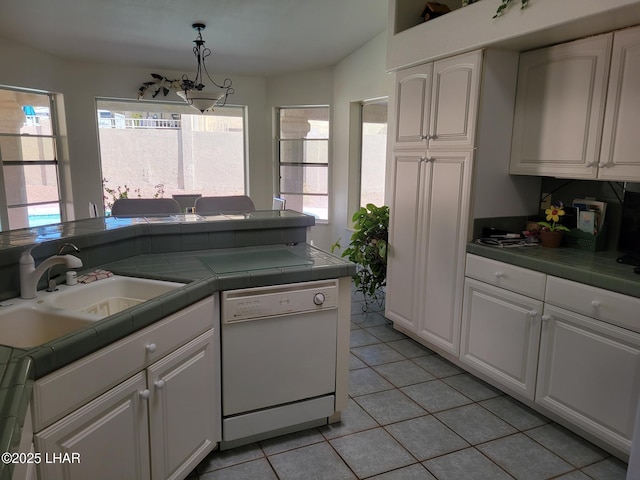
<point>207,254</point>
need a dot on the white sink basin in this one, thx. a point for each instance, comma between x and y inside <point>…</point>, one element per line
<point>108,296</point>
<point>26,326</point>
<point>32,322</point>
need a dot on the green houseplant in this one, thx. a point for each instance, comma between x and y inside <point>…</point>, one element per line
<point>368,250</point>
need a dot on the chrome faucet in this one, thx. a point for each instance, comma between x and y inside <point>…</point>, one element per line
<point>30,275</point>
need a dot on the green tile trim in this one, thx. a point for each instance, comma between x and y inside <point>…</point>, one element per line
<point>74,346</point>
<point>113,328</point>
<point>597,269</point>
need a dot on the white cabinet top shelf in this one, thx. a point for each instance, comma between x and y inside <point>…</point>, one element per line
<point>541,23</point>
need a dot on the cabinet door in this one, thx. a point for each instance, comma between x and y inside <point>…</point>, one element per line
<point>454,101</point>
<point>444,227</point>
<point>619,159</point>
<point>589,373</point>
<point>404,229</point>
<point>413,104</point>
<point>110,435</point>
<point>184,408</point>
<point>560,109</point>
<point>501,335</point>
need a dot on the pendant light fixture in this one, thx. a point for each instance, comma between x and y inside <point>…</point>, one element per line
<point>193,92</point>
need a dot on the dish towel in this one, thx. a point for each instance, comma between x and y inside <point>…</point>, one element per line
<point>95,275</point>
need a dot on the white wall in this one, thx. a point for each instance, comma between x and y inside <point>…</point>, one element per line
<point>81,83</point>
<point>358,77</point>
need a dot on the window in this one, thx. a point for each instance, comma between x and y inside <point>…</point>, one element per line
<point>28,153</point>
<point>373,152</point>
<point>150,149</point>
<point>303,155</point>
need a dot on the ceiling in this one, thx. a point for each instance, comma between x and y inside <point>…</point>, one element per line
<point>247,37</point>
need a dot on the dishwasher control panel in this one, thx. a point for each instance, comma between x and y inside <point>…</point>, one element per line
<point>259,302</point>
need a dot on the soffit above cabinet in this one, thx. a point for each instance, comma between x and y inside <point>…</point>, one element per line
<point>541,23</point>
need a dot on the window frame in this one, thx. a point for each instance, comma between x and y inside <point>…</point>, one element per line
<point>362,105</point>
<point>170,108</point>
<point>279,163</point>
<point>54,162</point>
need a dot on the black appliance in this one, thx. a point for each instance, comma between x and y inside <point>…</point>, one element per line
<point>629,239</point>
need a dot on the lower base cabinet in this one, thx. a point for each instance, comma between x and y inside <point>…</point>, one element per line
<point>159,424</point>
<point>109,435</point>
<point>568,349</point>
<point>501,334</point>
<point>589,374</point>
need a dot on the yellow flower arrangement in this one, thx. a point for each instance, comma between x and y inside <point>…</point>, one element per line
<point>554,213</point>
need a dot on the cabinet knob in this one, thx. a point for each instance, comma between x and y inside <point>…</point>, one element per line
<point>589,164</point>
<point>546,318</point>
<point>319,298</point>
<point>426,137</point>
<point>499,274</point>
<point>533,313</point>
<point>144,394</point>
<point>602,165</point>
<point>159,384</point>
<point>151,347</point>
<point>595,303</point>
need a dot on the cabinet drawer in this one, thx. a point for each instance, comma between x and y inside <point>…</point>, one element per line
<point>605,305</point>
<point>503,275</point>
<point>66,389</point>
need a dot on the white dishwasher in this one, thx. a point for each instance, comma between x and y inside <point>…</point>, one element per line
<point>278,358</point>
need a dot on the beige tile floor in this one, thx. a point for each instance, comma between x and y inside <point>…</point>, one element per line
<point>413,415</point>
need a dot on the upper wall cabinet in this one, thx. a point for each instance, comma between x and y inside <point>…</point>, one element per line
<point>569,122</point>
<point>619,158</point>
<point>436,103</point>
<point>560,108</point>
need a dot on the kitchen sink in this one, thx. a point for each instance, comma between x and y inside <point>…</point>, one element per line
<point>28,323</point>
<point>26,326</point>
<point>108,296</point>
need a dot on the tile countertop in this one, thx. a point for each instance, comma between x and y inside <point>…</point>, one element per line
<point>203,274</point>
<point>598,269</point>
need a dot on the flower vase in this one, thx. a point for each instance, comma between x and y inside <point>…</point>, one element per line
<point>550,239</point>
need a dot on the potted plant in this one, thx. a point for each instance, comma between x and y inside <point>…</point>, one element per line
<point>552,230</point>
<point>368,250</point>
<point>503,5</point>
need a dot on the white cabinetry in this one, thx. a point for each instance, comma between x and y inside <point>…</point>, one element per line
<point>156,413</point>
<point>577,355</point>
<point>434,124</point>
<point>501,327</point>
<point>576,107</point>
<point>435,147</point>
<point>429,224</point>
<point>589,371</point>
<point>109,435</point>
<point>619,157</point>
<point>560,109</point>
<point>184,412</point>
<point>436,103</point>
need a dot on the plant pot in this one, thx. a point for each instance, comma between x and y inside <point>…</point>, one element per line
<point>550,239</point>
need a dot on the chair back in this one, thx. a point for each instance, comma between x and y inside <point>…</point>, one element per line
<point>130,207</point>
<point>278,203</point>
<point>226,204</point>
